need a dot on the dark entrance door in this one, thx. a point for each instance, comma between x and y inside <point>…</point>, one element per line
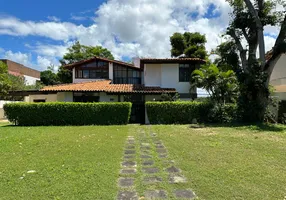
<point>138,108</point>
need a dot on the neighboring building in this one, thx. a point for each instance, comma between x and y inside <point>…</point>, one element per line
<point>103,80</point>
<point>278,76</point>
<point>16,69</point>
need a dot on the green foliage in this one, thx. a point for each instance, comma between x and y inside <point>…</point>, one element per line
<point>49,77</point>
<point>221,85</point>
<point>5,83</point>
<point>78,52</point>
<point>64,75</point>
<point>223,113</point>
<point>169,97</point>
<point>228,56</point>
<point>46,114</point>
<point>185,112</point>
<point>178,112</point>
<point>190,44</point>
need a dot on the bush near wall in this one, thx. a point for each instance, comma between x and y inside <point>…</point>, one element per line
<point>46,114</point>
<point>186,112</point>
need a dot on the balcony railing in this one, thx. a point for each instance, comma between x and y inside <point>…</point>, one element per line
<point>127,80</point>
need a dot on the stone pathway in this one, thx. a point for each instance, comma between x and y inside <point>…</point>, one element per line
<point>148,155</point>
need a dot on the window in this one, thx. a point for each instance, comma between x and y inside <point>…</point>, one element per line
<point>92,73</point>
<point>184,73</point>
<point>85,73</point>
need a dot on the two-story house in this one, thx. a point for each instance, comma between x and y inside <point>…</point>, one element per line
<point>103,80</point>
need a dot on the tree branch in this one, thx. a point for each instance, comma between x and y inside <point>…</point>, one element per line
<point>241,50</point>
<point>245,34</point>
<point>259,27</point>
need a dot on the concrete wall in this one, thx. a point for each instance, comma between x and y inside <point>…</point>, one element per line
<point>107,98</point>
<point>165,76</point>
<point>2,103</point>
<point>152,75</point>
<point>47,97</point>
<point>29,80</point>
<point>278,76</point>
<point>65,96</point>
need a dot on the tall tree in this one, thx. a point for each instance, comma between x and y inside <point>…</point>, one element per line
<point>190,44</point>
<point>5,82</point>
<point>248,21</point>
<point>49,77</point>
<point>78,52</point>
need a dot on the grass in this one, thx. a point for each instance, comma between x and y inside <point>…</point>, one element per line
<point>240,162</point>
<point>70,162</point>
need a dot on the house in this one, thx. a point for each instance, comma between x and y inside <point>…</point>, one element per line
<point>16,69</point>
<point>103,80</point>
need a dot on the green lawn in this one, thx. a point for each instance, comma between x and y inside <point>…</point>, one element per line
<point>84,162</point>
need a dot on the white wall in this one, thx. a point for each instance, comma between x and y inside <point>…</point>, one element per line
<point>152,74</point>
<point>2,103</point>
<point>165,76</point>
<point>278,76</point>
<point>107,98</point>
<point>47,97</point>
<point>65,96</point>
<point>29,80</point>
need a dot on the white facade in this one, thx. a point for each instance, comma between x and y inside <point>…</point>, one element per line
<point>278,76</point>
<point>165,76</point>
<point>29,80</point>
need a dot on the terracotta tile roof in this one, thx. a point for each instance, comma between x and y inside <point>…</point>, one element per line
<point>102,59</point>
<point>170,59</point>
<point>106,86</point>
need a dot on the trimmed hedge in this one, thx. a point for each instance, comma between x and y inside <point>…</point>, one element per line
<point>176,112</point>
<point>46,114</point>
<point>180,112</point>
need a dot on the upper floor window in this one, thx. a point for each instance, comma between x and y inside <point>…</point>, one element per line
<point>184,73</point>
<point>91,73</point>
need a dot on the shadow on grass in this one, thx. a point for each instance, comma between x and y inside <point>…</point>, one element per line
<point>256,127</point>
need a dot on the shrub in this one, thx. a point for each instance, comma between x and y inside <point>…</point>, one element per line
<point>45,114</point>
<point>186,112</point>
<point>176,112</point>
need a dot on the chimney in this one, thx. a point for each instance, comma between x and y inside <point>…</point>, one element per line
<point>136,62</point>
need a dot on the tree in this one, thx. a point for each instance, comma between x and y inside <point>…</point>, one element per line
<point>49,77</point>
<point>64,75</point>
<point>5,83</point>
<point>221,85</point>
<point>78,52</point>
<point>228,56</point>
<point>190,44</point>
<point>248,21</point>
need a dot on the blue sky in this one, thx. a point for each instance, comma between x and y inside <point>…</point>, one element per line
<point>37,33</point>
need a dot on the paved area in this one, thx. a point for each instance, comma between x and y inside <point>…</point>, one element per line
<point>145,159</point>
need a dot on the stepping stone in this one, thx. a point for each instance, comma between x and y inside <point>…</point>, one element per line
<point>158,142</point>
<point>128,171</point>
<point>168,162</point>
<point>153,134</point>
<point>148,162</point>
<point>126,182</point>
<point>146,156</point>
<point>130,152</point>
<point>185,194</point>
<point>129,156</point>
<point>177,179</point>
<point>161,151</point>
<point>152,180</point>
<point>130,147</point>
<point>163,155</point>
<point>145,148</point>
<point>150,170</point>
<point>145,151</point>
<point>127,195</point>
<point>173,170</point>
<point>131,142</point>
<point>145,144</point>
<point>155,194</point>
<point>129,164</point>
<point>160,146</point>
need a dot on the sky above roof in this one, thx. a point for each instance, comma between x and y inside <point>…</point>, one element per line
<point>37,33</point>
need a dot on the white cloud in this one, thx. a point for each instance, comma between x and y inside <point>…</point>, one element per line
<point>130,28</point>
<point>22,58</point>
<point>54,18</point>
